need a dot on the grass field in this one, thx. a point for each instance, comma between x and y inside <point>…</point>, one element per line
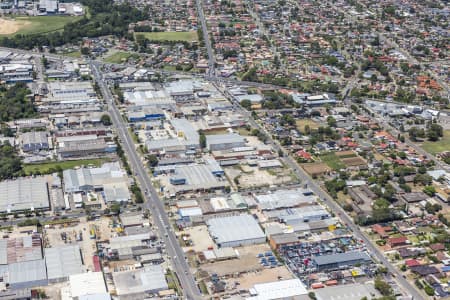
<point>45,167</point>
<point>35,25</point>
<point>184,36</point>
<point>440,146</point>
<point>119,57</point>
<point>332,161</point>
<point>303,122</point>
<point>75,54</point>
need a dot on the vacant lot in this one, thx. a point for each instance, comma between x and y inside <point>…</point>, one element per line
<point>316,168</point>
<point>248,280</point>
<point>64,165</point>
<point>247,262</point>
<point>333,161</point>
<point>34,25</point>
<point>440,146</point>
<point>119,57</point>
<point>353,161</point>
<point>184,36</point>
<point>346,154</point>
<point>303,122</point>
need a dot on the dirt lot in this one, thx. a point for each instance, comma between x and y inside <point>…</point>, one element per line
<point>316,168</point>
<point>354,161</point>
<point>348,153</point>
<point>250,177</point>
<point>248,280</point>
<point>52,237</point>
<point>247,262</point>
<point>200,238</point>
<point>10,26</point>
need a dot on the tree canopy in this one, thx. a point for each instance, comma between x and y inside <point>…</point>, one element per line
<point>15,104</point>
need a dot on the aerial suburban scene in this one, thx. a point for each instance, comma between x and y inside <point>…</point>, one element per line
<point>225,149</point>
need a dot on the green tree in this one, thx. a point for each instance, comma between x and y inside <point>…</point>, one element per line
<point>247,104</point>
<point>331,121</point>
<point>429,190</point>
<point>202,139</point>
<point>152,160</point>
<point>106,120</point>
<point>383,287</point>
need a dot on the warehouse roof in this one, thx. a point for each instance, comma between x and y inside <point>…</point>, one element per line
<point>234,228</point>
<point>354,291</point>
<point>91,283</point>
<point>285,199</point>
<point>23,194</point>
<point>224,138</point>
<point>198,176</point>
<point>148,279</point>
<point>63,261</point>
<point>26,271</point>
<point>278,290</point>
<point>341,258</point>
<point>20,249</point>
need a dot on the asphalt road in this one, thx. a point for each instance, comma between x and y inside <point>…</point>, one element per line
<point>211,61</point>
<point>152,201</point>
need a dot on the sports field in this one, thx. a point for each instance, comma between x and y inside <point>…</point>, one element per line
<point>183,36</point>
<point>34,25</point>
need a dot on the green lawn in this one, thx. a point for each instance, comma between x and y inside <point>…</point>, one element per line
<point>45,167</point>
<point>332,161</point>
<point>440,146</point>
<point>42,24</point>
<point>184,36</point>
<point>119,57</point>
<point>75,54</point>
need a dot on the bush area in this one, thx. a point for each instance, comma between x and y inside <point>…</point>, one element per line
<point>15,103</point>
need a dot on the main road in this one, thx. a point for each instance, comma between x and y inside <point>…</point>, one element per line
<point>210,53</point>
<point>152,201</point>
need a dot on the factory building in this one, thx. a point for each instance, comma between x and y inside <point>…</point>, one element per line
<point>235,231</point>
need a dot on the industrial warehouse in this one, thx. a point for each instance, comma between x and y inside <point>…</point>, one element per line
<point>24,194</point>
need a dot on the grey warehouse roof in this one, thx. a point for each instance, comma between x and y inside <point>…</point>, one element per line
<point>24,194</point>
<point>148,279</point>
<point>341,258</point>
<point>63,261</point>
<point>234,228</point>
<point>224,138</point>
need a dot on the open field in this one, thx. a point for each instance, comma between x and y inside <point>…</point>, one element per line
<point>119,57</point>
<point>64,165</point>
<point>440,146</point>
<point>75,54</point>
<point>332,161</point>
<point>303,122</point>
<point>34,25</point>
<point>184,36</point>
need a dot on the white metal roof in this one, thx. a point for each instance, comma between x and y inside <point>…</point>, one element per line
<point>234,228</point>
<point>278,290</point>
